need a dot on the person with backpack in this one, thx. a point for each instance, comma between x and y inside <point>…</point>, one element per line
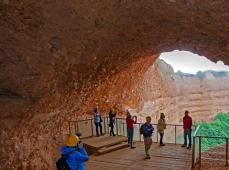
<point>73,154</point>
<point>161,126</point>
<point>130,121</point>
<point>187,125</point>
<point>147,131</point>
<point>112,116</point>
<point>98,122</point>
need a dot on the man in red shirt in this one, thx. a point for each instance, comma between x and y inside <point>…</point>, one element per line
<point>187,125</point>
<point>130,128</point>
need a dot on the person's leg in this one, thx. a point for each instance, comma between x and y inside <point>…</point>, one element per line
<point>101,129</point>
<point>160,138</point>
<point>148,143</point>
<point>112,130</point>
<point>97,129</point>
<point>128,135</point>
<point>185,138</point>
<point>131,137</point>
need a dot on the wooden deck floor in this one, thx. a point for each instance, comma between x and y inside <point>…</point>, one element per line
<point>169,157</point>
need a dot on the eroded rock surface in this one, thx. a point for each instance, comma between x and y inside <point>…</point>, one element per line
<point>60,58</point>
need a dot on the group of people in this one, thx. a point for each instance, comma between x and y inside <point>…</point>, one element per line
<point>98,122</point>
<point>147,131</point>
<point>74,155</point>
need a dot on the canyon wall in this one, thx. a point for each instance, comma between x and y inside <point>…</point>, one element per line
<point>204,94</point>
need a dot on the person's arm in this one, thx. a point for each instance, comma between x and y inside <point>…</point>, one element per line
<point>135,121</point>
<point>82,155</point>
<point>190,123</point>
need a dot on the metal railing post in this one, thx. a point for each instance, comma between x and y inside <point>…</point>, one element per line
<point>193,152</point>
<point>123,129</point>
<point>104,124</point>
<point>77,124</point>
<point>92,129</point>
<point>117,126</point>
<point>69,127</point>
<point>108,122</point>
<point>175,134</point>
<point>226,151</point>
<point>199,150</point>
<point>75,127</point>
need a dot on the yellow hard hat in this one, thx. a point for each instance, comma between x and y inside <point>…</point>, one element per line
<point>72,140</point>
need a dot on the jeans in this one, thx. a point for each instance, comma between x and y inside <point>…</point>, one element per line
<point>161,137</point>
<point>188,133</point>
<point>130,135</point>
<point>112,130</point>
<point>98,126</point>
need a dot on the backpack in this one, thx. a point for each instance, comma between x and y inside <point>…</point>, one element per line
<point>144,132</point>
<point>142,129</point>
<point>61,164</point>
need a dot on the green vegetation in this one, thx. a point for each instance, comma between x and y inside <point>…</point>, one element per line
<point>218,127</point>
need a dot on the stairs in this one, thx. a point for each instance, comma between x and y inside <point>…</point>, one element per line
<point>104,144</point>
<point>112,148</point>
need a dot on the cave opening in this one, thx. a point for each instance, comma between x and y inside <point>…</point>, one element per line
<point>182,80</point>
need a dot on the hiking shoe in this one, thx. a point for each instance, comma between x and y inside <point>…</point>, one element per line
<point>147,157</point>
<point>184,146</point>
<point>189,147</point>
<point>132,147</point>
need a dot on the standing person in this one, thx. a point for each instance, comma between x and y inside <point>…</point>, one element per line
<point>130,121</point>
<point>147,131</point>
<point>187,125</point>
<point>74,153</point>
<point>112,116</point>
<point>98,122</point>
<point>161,126</point>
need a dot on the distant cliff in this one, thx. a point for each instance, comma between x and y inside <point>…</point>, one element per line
<point>203,94</point>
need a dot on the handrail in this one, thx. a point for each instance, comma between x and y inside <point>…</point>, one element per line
<point>196,131</point>
<point>199,137</point>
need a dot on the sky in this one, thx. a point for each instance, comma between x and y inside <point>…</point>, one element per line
<point>188,62</point>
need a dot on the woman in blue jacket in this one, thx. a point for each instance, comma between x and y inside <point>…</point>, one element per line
<point>78,157</point>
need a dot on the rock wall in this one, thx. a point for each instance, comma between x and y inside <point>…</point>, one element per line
<point>58,59</point>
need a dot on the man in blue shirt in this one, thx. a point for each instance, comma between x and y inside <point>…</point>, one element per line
<point>98,122</point>
<point>147,131</point>
<point>78,156</point>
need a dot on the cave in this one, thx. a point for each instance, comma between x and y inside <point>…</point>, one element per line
<point>60,59</point>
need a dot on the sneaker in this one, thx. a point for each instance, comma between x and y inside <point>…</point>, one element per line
<point>162,144</point>
<point>189,147</point>
<point>132,147</point>
<point>184,146</point>
<point>147,157</point>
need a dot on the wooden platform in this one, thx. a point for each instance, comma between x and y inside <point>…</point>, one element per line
<point>169,157</point>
